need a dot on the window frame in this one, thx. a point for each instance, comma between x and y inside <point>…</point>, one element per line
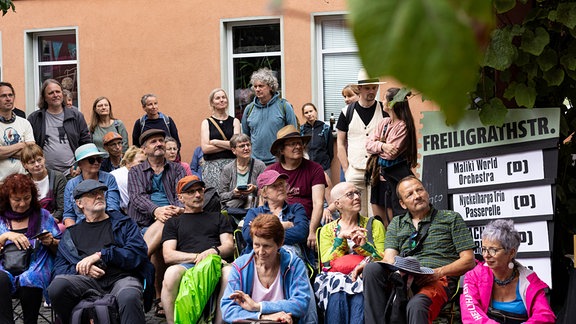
<point>33,64</point>
<point>318,59</point>
<point>228,56</point>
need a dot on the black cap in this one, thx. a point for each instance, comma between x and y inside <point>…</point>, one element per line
<point>149,133</point>
<point>87,186</point>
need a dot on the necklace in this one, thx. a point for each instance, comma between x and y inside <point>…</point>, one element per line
<point>507,280</point>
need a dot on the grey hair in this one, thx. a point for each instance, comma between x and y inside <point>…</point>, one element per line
<point>503,231</point>
<point>238,138</point>
<point>266,76</point>
<point>145,97</point>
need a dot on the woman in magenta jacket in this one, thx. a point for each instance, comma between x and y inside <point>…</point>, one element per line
<point>502,286</point>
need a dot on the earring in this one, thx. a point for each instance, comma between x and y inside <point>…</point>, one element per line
<point>510,265</point>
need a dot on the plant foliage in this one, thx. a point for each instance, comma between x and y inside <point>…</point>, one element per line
<point>6,5</point>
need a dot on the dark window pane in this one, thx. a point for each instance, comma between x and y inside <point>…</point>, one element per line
<point>243,69</point>
<point>65,74</point>
<point>57,48</point>
<point>256,38</point>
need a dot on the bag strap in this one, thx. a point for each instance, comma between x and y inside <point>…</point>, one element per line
<point>369,234</point>
<point>211,119</point>
<point>423,234</point>
<point>251,169</point>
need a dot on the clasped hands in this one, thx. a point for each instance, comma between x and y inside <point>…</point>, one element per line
<point>88,268</point>
<point>162,214</point>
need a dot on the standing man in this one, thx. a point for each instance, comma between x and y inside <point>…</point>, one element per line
<point>439,239</point>
<point>105,252</point>
<point>58,131</point>
<point>306,179</point>
<point>15,131</point>
<point>188,239</point>
<point>153,198</point>
<point>153,119</point>
<point>355,124</point>
<point>266,115</point>
<point>112,143</point>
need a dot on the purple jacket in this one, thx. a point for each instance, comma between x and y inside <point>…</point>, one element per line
<point>477,293</point>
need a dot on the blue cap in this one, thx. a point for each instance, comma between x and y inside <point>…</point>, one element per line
<point>87,186</point>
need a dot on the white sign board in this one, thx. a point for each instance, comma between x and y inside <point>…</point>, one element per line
<point>509,203</point>
<point>493,170</point>
<point>533,236</point>
<point>542,267</point>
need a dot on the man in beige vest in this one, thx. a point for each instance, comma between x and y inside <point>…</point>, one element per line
<point>355,124</point>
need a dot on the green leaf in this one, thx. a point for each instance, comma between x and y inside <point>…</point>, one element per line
<point>504,5</point>
<point>566,14</point>
<point>510,91</point>
<point>568,61</point>
<point>409,39</point>
<point>400,96</point>
<point>501,52</point>
<point>493,112</point>
<point>531,71</point>
<point>479,10</point>
<point>547,60</point>
<point>524,95</point>
<point>534,42</point>
<point>554,76</point>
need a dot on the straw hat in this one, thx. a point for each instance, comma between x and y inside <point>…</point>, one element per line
<point>364,79</point>
<point>285,133</point>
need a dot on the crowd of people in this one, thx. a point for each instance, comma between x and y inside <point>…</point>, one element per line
<point>83,210</point>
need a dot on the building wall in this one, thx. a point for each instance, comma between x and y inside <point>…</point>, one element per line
<point>173,49</point>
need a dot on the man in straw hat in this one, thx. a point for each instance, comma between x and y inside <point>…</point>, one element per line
<point>439,239</point>
<point>355,124</point>
<point>306,179</point>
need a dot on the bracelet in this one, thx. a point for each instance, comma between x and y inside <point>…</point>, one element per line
<point>216,249</point>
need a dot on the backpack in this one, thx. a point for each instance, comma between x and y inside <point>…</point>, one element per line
<point>350,111</point>
<point>212,200</point>
<point>164,117</point>
<point>96,308</point>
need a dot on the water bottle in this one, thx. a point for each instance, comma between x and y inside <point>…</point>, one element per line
<point>332,122</point>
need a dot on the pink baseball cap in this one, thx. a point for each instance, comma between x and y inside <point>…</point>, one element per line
<point>268,177</point>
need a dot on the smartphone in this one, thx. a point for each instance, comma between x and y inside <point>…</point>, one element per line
<point>242,187</point>
<point>44,232</point>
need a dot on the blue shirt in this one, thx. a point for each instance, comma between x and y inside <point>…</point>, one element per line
<point>112,196</point>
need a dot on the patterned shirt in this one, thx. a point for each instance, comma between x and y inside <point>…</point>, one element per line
<point>448,235</point>
<point>141,208</point>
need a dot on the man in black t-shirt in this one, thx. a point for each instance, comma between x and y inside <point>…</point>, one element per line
<point>189,238</point>
<point>104,252</point>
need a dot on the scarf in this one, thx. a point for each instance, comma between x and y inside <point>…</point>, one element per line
<point>33,219</point>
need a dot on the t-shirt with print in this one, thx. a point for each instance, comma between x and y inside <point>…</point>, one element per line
<point>196,232</point>
<point>300,182</point>
<point>57,151</point>
<point>18,131</point>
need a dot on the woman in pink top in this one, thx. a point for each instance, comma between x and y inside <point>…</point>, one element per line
<point>394,140</point>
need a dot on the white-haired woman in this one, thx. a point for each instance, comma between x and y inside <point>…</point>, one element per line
<point>501,290</point>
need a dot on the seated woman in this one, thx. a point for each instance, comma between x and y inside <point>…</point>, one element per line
<point>343,244</point>
<point>292,216</point>
<point>50,183</point>
<point>502,286</point>
<point>270,282</point>
<point>133,156</point>
<point>21,218</point>
<point>238,178</point>
<point>172,153</point>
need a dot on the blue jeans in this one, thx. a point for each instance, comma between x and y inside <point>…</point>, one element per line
<point>343,309</point>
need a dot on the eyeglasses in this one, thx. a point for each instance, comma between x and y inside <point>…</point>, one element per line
<point>350,195</point>
<point>119,143</point>
<point>277,185</point>
<point>93,160</point>
<point>491,251</point>
<point>194,191</point>
<point>241,146</point>
<point>294,144</point>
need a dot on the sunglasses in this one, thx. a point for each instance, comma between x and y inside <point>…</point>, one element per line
<point>93,160</point>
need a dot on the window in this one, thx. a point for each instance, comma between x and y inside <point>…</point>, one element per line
<point>250,46</point>
<point>338,63</point>
<point>56,57</point>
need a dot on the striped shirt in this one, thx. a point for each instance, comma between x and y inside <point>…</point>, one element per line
<point>141,207</point>
<point>448,235</point>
